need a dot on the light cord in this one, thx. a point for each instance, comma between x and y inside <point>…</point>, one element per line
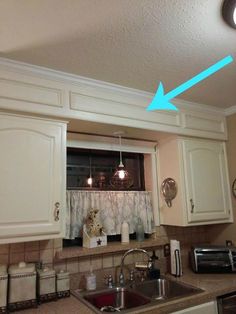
<point>121,163</point>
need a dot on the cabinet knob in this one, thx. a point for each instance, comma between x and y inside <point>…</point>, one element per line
<point>57,211</point>
<point>192,205</point>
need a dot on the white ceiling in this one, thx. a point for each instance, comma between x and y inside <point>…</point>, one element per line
<point>135,43</point>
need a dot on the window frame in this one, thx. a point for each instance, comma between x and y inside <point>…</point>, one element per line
<point>92,141</point>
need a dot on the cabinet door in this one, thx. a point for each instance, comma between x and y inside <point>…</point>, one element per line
<point>206,181</point>
<point>32,177</point>
<point>209,308</point>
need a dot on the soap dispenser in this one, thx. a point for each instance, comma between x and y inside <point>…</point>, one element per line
<point>91,280</point>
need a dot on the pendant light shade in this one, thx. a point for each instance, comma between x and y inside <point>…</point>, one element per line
<point>121,178</point>
<point>229,12</point>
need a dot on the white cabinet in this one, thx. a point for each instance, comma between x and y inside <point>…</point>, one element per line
<point>32,178</point>
<point>200,170</point>
<point>209,308</point>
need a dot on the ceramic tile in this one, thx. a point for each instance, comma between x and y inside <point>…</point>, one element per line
<point>129,259</point>
<point>107,261</point>
<point>4,249</point>
<point>77,281</point>
<point>163,230</point>
<point>96,263</point>
<point>57,243</point>
<point>17,248</point>
<point>84,265</point>
<point>46,244</point>
<point>72,265</point>
<point>32,256</point>
<point>60,266</point>
<point>46,256</point>
<point>16,258</point>
<point>117,259</point>
<point>32,246</point>
<point>4,259</point>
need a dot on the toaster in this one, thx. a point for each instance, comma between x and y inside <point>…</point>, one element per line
<point>213,259</point>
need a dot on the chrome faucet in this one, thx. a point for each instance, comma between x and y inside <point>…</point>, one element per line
<point>149,263</point>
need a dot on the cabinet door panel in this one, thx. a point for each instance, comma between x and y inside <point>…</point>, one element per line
<point>206,181</point>
<point>30,176</point>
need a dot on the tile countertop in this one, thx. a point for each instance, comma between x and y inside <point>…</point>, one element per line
<point>213,284</point>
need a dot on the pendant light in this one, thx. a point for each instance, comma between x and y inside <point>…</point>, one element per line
<point>121,178</point>
<point>229,12</point>
<point>90,178</point>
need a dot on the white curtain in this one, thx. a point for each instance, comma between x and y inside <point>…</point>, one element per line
<point>114,208</point>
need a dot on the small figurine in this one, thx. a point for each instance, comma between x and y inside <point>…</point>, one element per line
<point>93,225</point>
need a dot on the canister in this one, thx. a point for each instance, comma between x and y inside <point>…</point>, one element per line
<point>3,288</point>
<point>63,284</point>
<point>46,284</point>
<point>22,286</point>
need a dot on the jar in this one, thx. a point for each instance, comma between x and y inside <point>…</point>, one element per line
<point>22,286</point>
<point>3,288</point>
<point>46,285</point>
<point>63,284</point>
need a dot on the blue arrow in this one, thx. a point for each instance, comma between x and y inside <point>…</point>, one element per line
<point>162,102</point>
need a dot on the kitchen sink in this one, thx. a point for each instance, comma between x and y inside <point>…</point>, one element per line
<point>123,299</point>
<point>165,289</point>
<point>116,299</point>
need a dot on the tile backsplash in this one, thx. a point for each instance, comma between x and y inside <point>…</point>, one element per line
<point>102,264</point>
<point>30,251</point>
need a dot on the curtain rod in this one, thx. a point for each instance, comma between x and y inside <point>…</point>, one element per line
<point>110,136</point>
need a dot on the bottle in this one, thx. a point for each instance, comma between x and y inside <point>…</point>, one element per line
<point>125,232</point>
<point>154,272</point>
<point>91,280</point>
<point>139,230</point>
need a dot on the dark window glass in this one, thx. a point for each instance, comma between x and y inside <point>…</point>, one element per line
<point>103,166</point>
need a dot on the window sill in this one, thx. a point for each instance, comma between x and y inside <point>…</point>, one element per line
<point>110,248</point>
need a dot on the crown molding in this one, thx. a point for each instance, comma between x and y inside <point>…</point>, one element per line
<point>231,110</point>
<point>67,78</point>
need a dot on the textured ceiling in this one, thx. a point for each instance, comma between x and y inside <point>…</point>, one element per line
<point>135,43</point>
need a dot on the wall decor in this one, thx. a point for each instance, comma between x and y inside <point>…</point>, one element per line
<point>234,188</point>
<point>169,190</point>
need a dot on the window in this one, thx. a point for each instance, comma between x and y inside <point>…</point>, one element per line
<point>102,165</point>
<point>139,157</point>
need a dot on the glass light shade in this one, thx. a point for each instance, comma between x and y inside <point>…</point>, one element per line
<point>90,181</point>
<point>229,12</point>
<point>121,178</point>
<point>121,171</point>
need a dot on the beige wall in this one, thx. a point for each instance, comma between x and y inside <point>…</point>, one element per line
<point>219,233</point>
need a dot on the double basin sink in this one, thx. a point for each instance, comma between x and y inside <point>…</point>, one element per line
<point>122,299</point>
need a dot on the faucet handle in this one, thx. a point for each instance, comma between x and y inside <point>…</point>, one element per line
<point>109,280</point>
<point>131,276</point>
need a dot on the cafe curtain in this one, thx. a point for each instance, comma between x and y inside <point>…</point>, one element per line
<point>114,208</point>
